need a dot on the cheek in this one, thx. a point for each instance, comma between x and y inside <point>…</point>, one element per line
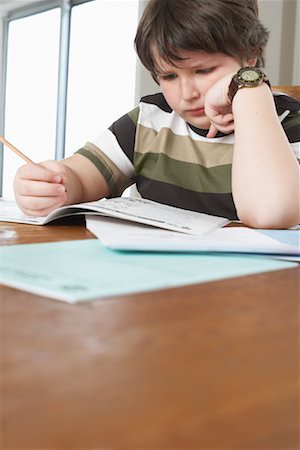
<point>170,93</point>
<point>209,81</point>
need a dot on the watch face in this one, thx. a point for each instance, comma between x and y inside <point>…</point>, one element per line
<point>249,75</point>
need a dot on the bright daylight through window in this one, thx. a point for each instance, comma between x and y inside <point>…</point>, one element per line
<point>101,82</point>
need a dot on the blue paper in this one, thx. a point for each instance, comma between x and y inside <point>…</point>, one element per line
<point>82,270</point>
<point>290,237</point>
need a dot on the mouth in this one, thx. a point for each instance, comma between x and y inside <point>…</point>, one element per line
<point>196,112</point>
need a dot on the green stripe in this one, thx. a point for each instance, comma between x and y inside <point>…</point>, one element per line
<point>134,115</point>
<point>103,169</point>
<point>291,121</point>
<point>190,176</point>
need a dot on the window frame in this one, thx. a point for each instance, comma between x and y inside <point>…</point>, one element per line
<point>63,66</point>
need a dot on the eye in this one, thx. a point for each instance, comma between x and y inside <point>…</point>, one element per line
<point>168,77</point>
<point>205,71</point>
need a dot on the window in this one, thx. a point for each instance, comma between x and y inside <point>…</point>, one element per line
<point>31,89</point>
<point>70,72</point>
<point>102,68</point>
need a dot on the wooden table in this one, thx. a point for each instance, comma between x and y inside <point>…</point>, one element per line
<point>209,366</point>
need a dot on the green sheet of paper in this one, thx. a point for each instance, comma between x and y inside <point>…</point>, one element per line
<point>83,270</point>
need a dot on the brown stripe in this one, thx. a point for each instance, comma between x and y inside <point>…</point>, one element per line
<point>183,148</point>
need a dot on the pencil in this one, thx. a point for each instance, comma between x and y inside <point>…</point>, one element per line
<point>15,150</point>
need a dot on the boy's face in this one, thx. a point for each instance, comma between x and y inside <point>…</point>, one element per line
<point>185,85</point>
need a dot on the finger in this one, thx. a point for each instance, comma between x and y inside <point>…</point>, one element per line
<point>38,173</point>
<point>212,132</point>
<point>227,118</point>
<point>221,119</point>
<point>215,127</point>
<point>39,205</point>
<point>227,128</point>
<point>39,188</point>
<point>56,168</point>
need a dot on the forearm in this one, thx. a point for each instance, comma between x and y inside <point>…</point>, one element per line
<point>83,180</point>
<point>72,184</point>
<point>265,173</point>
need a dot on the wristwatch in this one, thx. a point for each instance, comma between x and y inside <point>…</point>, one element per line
<point>246,77</point>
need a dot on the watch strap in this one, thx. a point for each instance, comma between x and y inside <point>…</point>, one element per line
<point>236,82</point>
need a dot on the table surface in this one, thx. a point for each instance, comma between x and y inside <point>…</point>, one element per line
<point>207,366</point>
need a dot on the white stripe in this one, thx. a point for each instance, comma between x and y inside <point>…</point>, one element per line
<point>296,149</point>
<point>295,146</point>
<point>151,116</point>
<point>277,93</point>
<point>109,145</point>
<point>284,115</point>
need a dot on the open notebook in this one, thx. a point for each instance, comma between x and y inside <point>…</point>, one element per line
<point>126,208</point>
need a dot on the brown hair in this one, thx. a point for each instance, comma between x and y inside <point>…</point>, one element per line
<point>231,27</point>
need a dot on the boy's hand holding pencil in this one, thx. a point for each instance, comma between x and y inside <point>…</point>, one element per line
<point>39,188</point>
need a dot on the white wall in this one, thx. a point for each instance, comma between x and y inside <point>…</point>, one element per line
<point>296,72</point>
<point>270,12</point>
<point>281,17</point>
<point>144,82</point>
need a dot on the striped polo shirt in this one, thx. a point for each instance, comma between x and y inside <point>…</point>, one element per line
<point>171,161</point>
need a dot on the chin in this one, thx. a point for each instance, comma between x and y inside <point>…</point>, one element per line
<point>201,122</point>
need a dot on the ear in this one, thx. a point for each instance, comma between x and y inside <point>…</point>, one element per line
<point>251,62</point>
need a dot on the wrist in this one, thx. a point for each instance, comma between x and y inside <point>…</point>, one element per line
<point>245,78</point>
<point>256,97</point>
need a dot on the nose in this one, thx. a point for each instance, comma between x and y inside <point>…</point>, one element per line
<point>189,89</point>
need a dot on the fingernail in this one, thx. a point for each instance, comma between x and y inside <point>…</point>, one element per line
<point>57,178</point>
<point>61,189</point>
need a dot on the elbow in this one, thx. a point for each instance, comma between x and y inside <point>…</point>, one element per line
<point>270,219</point>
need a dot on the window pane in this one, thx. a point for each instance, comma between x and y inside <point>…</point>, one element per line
<point>31,90</point>
<point>102,67</point>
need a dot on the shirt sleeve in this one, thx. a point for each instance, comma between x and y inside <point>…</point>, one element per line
<point>112,153</point>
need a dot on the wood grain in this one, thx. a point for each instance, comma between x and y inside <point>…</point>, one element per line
<point>208,366</point>
<point>293,91</point>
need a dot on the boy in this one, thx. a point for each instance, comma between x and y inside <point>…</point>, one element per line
<point>208,142</point>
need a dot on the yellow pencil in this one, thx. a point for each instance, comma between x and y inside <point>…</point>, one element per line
<point>14,149</point>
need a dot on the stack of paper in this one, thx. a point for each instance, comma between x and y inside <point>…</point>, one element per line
<point>135,237</point>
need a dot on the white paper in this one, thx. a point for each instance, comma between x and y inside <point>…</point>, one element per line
<point>133,209</point>
<point>119,236</point>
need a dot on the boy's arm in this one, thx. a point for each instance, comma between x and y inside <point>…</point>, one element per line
<point>87,183</point>
<point>265,177</point>
<point>265,172</point>
<point>40,188</point>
